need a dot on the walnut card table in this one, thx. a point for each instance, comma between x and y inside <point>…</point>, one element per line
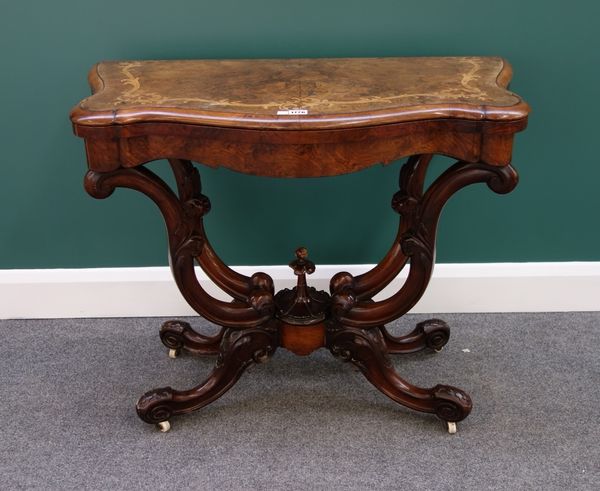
<point>301,118</point>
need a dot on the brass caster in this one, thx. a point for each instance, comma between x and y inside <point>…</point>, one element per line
<point>163,426</point>
<point>452,429</point>
<point>173,353</point>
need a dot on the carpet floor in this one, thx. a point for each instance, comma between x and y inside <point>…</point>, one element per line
<point>68,390</point>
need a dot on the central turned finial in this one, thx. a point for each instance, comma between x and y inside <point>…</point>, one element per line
<point>302,305</point>
<point>302,266</point>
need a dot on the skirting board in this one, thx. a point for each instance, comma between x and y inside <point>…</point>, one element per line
<point>146,292</point>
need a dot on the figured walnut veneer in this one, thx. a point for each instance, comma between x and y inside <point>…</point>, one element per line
<point>346,114</point>
<point>360,112</point>
<point>335,92</point>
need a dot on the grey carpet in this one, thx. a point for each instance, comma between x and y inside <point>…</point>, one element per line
<point>68,389</point>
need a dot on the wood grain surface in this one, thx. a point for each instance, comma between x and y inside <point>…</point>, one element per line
<point>328,93</point>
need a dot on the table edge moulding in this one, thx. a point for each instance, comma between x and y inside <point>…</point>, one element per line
<point>301,118</point>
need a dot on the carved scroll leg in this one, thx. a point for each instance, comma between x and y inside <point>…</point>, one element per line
<point>432,334</point>
<point>366,348</point>
<point>179,335</point>
<point>238,350</point>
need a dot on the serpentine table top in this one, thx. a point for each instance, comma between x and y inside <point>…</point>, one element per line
<point>320,93</point>
<point>360,111</point>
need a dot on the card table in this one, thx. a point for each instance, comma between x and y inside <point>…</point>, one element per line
<point>293,118</point>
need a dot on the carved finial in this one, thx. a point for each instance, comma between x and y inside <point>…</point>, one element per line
<point>301,265</point>
<point>302,305</point>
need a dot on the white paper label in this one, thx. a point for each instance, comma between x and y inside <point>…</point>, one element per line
<point>291,112</point>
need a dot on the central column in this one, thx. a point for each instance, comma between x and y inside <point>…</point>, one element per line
<point>302,310</point>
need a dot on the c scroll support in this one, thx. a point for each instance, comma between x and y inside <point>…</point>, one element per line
<point>366,349</point>
<point>187,241</point>
<point>178,335</point>
<point>417,244</point>
<point>238,350</point>
<point>411,182</point>
<point>432,334</point>
<point>189,187</point>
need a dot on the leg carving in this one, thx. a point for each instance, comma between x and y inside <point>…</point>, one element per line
<point>404,202</point>
<point>432,334</point>
<point>189,188</point>
<point>366,348</point>
<point>179,335</point>
<point>353,323</point>
<point>187,243</point>
<point>238,350</point>
<point>416,241</point>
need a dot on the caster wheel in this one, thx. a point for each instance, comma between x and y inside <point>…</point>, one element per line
<point>452,429</point>
<point>164,426</point>
<point>263,358</point>
<point>438,349</point>
<point>173,353</point>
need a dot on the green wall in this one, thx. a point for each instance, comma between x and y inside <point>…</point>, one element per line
<point>47,221</point>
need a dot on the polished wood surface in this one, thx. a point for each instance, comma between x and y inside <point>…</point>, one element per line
<point>360,112</point>
<point>334,93</point>
<point>302,340</point>
<point>298,153</point>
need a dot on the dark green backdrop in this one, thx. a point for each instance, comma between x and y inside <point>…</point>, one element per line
<point>47,221</point>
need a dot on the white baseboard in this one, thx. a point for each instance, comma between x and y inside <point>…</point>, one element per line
<point>145,292</point>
